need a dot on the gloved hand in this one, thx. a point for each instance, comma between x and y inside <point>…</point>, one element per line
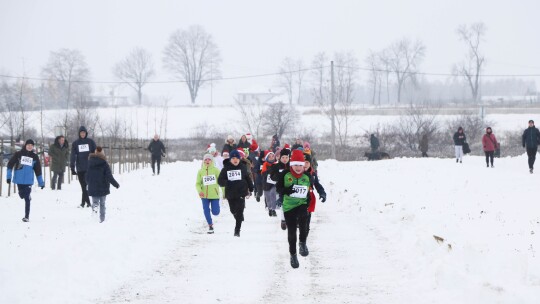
<point>289,190</point>
<point>279,202</point>
<point>117,186</point>
<point>162,154</point>
<point>322,197</point>
<point>8,180</point>
<point>73,172</point>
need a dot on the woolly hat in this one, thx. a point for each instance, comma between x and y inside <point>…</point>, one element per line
<point>229,137</point>
<point>29,142</point>
<point>307,145</point>
<point>241,152</point>
<point>297,158</point>
<point>208,156</point>
<point>267,155</point>
<point>531,121</point>
<point>234,153</point>
<point>211,148</point>
<point>285,152</point>
<point>287,146</point>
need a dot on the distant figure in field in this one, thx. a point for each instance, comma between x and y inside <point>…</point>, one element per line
<point>157,149</point>
<point>423,146</point>
<point>459,141</point>
<point>489,142</point>
<point>531,138</point>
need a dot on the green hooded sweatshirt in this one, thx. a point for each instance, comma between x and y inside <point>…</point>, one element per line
<point>207,181</point>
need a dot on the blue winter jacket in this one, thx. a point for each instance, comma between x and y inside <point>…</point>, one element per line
<point>26,164</point>
<point>99,176</point>
<point>80,151</point>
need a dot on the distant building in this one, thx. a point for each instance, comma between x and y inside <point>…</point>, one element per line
<point>260,95</point>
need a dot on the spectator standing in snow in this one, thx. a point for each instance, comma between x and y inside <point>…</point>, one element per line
<point>238,186</point>
<point>489,142</point>
<point>293,185</point>
<point>531,138</point>
<point>459,141</point>
<point>229,145</point>
<point>99,177</point>
<point>58,153</point>
<point>208,189</point>
<point>423,146</point>
<point>80,151</point>
<point>374,144</point>
<point>26,164</point>
<point>157,149</point>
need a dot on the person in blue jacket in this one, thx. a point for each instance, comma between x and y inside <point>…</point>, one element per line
<point>80,151</point>
<point>26,164</point>
<point>99,177</point>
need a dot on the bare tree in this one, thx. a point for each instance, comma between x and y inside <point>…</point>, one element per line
<point>404,58</point>
<point>193,57</point>
<point>136,70</point>
<point>251,116</point>
<point>320,76</point>
<point>279,118</point>
<point>300,74</point>
<point>472,65</point>
<point>286,77</point>
<point>68,72</point>
<point>346,76</point>
<point>373,62</point>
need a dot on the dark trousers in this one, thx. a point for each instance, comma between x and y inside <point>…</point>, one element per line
<point>156,159</point>
<point>296,216</point>
<point>531,152</point>
<point>237,206</point>
<point>82,181</point>
<point>24,193</point>
<point>57,177</point>
<point>258,184</point>
<point>308,222</point>
<point>489,156</point>
<point>424,154</point>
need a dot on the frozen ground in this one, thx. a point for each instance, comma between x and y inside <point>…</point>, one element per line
<point>371,242</point>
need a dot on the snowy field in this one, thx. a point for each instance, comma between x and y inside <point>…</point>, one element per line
<point>182,122</point>
<point>371,242</point>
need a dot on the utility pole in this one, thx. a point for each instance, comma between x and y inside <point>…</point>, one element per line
<point>333,102</point>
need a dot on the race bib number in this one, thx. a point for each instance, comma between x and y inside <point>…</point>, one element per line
<point>209,180</point>
<point>269,180</point>
<point>26,161</point>
<point>234,175</point>
<point>299,191</point>
<point>84,148</point>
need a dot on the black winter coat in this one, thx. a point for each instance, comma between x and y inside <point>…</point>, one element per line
<point>156,148</point>
<point>277,169</point>
<point>459,138</point>
<point>80,151</point>
<point>99,176</point>
<point>235,179</point>
<point>531,137</point>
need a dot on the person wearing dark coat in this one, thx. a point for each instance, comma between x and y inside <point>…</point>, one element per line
<point>238,186</point>
<point>423,146</point>
<point>99,177</point>
<point>229,145</point>
<point>59,154</point>
<point>374,143</point>
<point>157,149</point>
<point>80,150</point>
<point>530,139</point>
<point>275,143</point>
<point>243,143</point>
<point>459,141</point>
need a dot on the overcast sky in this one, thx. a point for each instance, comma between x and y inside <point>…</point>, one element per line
<point>254,36</point>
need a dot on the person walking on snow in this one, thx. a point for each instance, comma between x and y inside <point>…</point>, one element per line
<point>80,151</point>
<point>293,186</point>
<point>423,146</point>
<point>26,164</point>
<point>238,186</point>
<point>157,149</point>
<point>530,139</point>
<point>269,185</point>
<point>459,141</point>
<point>489,142</point>
<point>99,177</point>
<point>59,153</point>
<point>208,189</point>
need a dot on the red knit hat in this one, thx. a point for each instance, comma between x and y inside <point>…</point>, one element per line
<point>287,146</point>
<point>297,158</point>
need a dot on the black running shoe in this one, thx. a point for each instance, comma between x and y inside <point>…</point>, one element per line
<point>210,229</point>
<point>303,249</point>
<point>294,261</point>
<point>283,225</point>
<point>25,219</point>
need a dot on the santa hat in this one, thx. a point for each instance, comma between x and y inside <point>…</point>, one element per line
<point>249,137</point>
<point>287,146</point>
<point>297,158</point>
<point>254,146</point>
<point>242,153</point>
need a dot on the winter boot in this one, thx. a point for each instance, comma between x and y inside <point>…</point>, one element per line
<point>25,219</point>
<point>283,225</point>
<point>237,232</point>
<point>294,261</point>
<point>274,213</point>
<point>270,213</point>
<point>303,249</point>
